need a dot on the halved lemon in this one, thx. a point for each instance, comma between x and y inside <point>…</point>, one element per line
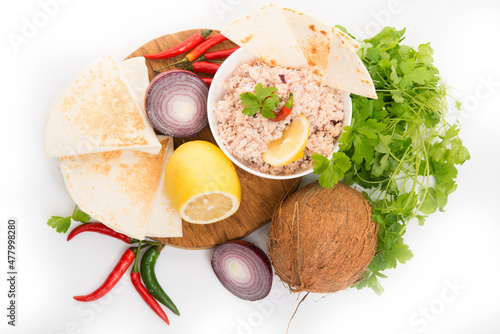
<point>290,147</point>
<point>202,183</point>
<point>209,207</point>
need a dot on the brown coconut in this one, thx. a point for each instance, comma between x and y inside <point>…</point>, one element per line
<point>322,240</point>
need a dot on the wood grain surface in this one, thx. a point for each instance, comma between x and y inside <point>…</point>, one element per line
<point>259,196</point>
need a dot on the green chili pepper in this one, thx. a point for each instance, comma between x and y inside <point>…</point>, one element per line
<point>148,275</point>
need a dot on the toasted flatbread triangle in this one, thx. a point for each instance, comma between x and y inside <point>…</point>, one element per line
<point>121,189</point>
<point>101,111</point>
<point>313,37</point>
<point>352,42</point>
<point>164,221</point>
<point>265,34</point>
<point>330,53</point>
<point>346,71</point>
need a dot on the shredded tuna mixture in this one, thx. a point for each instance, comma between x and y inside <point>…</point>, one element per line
<point>247,137</point>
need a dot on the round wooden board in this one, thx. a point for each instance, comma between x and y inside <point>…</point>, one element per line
<point>259,196</point>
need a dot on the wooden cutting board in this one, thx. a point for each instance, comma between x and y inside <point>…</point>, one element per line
<point>259,196</point>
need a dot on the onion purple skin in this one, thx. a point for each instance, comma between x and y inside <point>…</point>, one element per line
<point>260,266</point>
<point>167,88</point>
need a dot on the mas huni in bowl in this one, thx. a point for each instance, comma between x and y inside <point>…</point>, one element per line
<point>284,96</point>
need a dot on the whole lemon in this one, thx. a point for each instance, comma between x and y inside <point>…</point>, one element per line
<point>202,183</point>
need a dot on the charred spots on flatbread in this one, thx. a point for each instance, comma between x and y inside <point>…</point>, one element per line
<point>247,39</point>
<point>124,190</point>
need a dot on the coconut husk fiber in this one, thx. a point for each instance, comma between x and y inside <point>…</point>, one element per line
<point>322,240</point>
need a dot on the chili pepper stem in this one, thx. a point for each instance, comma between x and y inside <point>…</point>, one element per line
<point>159,70</point>
<point>206,32</point>
<point>160,247</point>
<point>184,65</point>
<point>289,102</point>
<point>135,268</point>
<point>152,243</point>
<point>182,61</point>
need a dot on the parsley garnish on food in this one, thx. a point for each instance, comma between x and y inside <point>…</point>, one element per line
<point>264,99</point>
<point>62,224</point>
<point>399,148</point>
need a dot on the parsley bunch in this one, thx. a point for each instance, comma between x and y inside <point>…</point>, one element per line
<point>399,148</point>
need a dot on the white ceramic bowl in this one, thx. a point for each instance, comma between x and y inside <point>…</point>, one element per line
<point>217,92</point>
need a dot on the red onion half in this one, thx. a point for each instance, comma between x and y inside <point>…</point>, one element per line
<point>176,103</point>
<point>244,269</point>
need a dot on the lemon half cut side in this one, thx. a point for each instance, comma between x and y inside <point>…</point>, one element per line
<point>209,207</point>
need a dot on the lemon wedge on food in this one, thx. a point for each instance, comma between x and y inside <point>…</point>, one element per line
<point>290,147</point>
<point>202,183</point>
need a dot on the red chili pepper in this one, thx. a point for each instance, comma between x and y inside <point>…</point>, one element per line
<point>203,67</point>
<point>144,293</point>
<point>201,48</point>
<point>197,51</point>
<point>102,229</point>
<point>208,81</point>
<point>217,54</point>
<point>113,278</point>
<point>285,111</point>
<point>182,47</point>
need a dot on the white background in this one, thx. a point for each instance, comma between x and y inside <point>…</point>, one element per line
<point>459,248</point>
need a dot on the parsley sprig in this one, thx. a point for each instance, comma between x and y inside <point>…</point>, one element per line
<point>399,148</point>
<point>264,100</point>
<point>62,224</point>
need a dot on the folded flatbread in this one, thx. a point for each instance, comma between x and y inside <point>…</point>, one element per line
<point>124,189</point>
<point>313,37</point>
<point>266,34</point>
<point>329,52</point>
<point>352,42</point>
<point>102,110</point>
<point>345,70</point>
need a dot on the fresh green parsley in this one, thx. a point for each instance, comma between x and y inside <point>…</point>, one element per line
<point>330,170</point>
<point>398,148</point>
<point>62,224</point>
<point>264,100</point>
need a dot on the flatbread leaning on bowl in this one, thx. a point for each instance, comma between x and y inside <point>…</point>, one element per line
<point>101,110</point>
<point>345,70</point>
<point>124,189</point>
<point>329,52</point>
<point>265,34</point>
<point>313,37</point>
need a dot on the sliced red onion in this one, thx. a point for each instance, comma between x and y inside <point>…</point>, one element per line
<point>282,77</point>
<point>176,103</point>
<point>244,269</point>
